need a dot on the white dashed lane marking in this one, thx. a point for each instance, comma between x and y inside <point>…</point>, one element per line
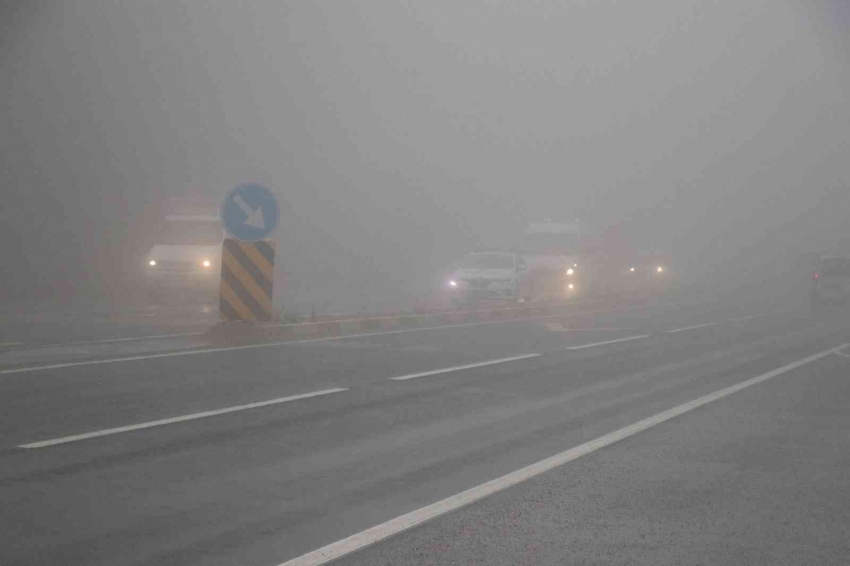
<point>606,342</point>
<point>463,367</point>
<point>415,518</point>
<point>175,420</point>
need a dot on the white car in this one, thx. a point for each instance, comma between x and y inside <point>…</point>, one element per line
<point>489,275</point>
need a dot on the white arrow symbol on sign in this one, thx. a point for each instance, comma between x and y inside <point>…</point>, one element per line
<point>255,217</point>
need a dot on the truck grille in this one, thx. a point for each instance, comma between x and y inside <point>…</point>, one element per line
<point>480,283</point>
<point>477,283</point>
<point>177,265</point>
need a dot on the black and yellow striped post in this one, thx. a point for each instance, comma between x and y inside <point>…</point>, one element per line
<point>247,277</point>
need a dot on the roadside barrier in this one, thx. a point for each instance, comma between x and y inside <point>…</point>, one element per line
<point>249,332</point>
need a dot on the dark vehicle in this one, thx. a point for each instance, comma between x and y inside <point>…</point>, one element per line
<point>830,286</point>
<point>646,273</point>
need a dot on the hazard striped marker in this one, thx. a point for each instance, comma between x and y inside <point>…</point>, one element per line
<point>247,278</point>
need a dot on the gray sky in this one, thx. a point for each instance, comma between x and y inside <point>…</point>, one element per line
<point>398,134</point>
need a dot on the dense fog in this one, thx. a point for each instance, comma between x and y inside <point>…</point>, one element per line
<point>399,135</point>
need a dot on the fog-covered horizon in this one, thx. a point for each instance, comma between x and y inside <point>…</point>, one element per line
<point>398,135</point>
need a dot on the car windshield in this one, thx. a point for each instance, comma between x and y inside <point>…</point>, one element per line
<point>191,233</point>
<point>488,261</point>
<point>551,243</point>
<point>835,267</point>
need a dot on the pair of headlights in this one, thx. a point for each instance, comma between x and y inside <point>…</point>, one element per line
<point>205,263</point>
<point>453,283</point>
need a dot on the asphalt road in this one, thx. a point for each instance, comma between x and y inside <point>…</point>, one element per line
<point>417,445</point>
<point>41,325</point>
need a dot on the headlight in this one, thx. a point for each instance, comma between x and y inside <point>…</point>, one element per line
<point>659,269</point>
<point>570,286</point>
<point>570,271</point>
<point>632,269</point>
<point>207,263</point>
<point>453,283</point>
<point>152,262</point>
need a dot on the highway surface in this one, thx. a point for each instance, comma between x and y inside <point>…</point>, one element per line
<point>48,324</point>
<point>654,432</point>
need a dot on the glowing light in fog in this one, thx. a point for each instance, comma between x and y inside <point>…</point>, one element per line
<point>570,286</point>
<point>206,263</point>
<point>631,269</point>
<point>152,262</point>
<point>660,269</point>
<point>453,283</point>
<point>570,271</point>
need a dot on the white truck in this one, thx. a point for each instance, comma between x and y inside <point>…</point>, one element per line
<point>187,252</point>
<point>553,251</point>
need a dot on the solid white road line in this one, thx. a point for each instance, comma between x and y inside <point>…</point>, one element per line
<point>174,420</point>
<point>739,319</point>
<point>113,340</point>
<point>618,340</point>
<point>415,518</point>
<point>752,316</point>
<point>287,342</point>
<point>467,366</point>
<point>559,327</point>
<point>137,358</point>
<point>694,327</point>
<point>603,329</point>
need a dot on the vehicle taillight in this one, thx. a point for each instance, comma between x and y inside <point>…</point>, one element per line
<point>816,276</point>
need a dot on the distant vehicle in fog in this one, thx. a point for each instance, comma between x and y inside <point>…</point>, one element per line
<point>488,275</point>
<point>648,270</point>
<point>830,285</point>
<point>557,266</point>
<point>569,258</point>
<point>187,252</point>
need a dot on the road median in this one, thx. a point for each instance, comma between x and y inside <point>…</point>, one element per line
<point>246,332</point>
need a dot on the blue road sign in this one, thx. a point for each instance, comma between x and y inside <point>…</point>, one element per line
<point>250,212</point>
